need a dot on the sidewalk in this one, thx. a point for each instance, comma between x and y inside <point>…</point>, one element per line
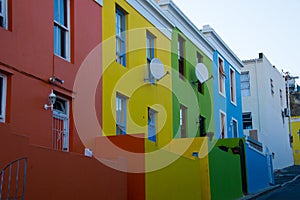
<point>281,177</point>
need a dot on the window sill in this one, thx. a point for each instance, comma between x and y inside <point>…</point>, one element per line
<point>65,59</point>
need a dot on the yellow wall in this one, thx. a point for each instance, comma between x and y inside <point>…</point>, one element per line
<point>129,80</point>
<point>296,139</point>
<point>173,173</point>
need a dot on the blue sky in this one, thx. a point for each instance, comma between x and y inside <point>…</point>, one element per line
<point>249,27</point>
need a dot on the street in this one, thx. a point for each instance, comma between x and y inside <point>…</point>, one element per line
<point>288,192</point>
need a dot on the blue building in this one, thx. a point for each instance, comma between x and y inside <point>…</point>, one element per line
<point>227,93</point>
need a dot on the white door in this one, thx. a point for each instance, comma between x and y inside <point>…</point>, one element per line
<point>60,125</point>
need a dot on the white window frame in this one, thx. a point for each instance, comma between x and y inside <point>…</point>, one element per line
<point>118,117</point>
<point>243,89</point>
<point>183,112</point>
<point>3,96</point>
<point>121,57</point>
<point>3,14</point>
<point>237,127</point>
<point>225,124</point>
<point>150,54</point>
<point>67,34</point>
<point>100,2</point>
<point>222,90</point>
<point>232,81</point>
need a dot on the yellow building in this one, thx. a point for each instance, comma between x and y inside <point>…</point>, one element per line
<point>131,101</point>
<point>296,139</point>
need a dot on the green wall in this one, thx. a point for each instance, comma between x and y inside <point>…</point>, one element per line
<point>225,171</point>
<point>186,93</point>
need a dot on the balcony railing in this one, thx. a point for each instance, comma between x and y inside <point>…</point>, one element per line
<point>13,180</point>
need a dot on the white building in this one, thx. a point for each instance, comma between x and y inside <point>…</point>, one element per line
<point>265,121</point>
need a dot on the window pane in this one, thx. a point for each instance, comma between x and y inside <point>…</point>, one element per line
<point>56,18</point>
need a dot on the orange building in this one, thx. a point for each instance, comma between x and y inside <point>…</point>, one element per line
<point>43,45</point>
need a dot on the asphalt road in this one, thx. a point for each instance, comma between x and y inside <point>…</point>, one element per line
<point>290,191</point>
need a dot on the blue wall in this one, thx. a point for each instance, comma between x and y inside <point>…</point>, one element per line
<point>224,104</point>
<point>257,170</point>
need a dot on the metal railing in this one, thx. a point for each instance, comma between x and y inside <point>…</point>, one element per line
<point>13,180</point>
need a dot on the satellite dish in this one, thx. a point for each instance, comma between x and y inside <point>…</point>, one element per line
<point>157,68</point>
<point>201,72</point>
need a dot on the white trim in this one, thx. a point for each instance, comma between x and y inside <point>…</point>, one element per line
<point>225,124</point>
<point>125,99</point>
<point>234,102</point>
<point>222,47</point>
<point>3,106</point>
<point>187,27</point>
<point>100,2</point>
<point>151,11</point>
<point>237,127</point>
<point>4,14</point>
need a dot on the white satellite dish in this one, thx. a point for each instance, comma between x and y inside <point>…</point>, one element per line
<point>157,68</point>
<point>201,72</point>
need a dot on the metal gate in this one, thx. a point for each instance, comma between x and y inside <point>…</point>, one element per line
<point>60,125</point>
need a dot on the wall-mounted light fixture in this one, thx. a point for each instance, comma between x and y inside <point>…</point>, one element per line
<point>51,99</point>
<point>54,79</point>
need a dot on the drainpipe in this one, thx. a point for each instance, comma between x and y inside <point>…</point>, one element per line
<point>258,100</point>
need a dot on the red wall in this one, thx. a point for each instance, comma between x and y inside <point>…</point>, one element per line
<point>26,56</point>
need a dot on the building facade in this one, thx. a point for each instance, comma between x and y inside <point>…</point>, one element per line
<point>227,96</point>
<point>264,101</point>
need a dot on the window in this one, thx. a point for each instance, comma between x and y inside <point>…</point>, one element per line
<point>202,126</point>
<point>223,124</point>
<point>281,98</point>
<point>152,125</point>
<point>121,115</point>
<point>199,59</point>
<point>2,97</point>
<point>272,86</point>
<point>182,121</point>
<point>222,76</point>
<point>245,84</point>
<point>247,120</point>
<point>62,28</point>
<point>232,86</point>
<point>120,37</point>
<point>234,128</point>
<point>3,13</point>
<point>150,46</point>
<point>181,57</point>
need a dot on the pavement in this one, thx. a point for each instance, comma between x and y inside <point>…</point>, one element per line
<point>282,177</point>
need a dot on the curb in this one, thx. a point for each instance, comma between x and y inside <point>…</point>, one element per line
<point>269,189</point>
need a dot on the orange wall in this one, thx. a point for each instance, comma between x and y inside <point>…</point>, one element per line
<point>26,56</point>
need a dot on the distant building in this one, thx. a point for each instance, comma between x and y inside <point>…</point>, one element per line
<point>265,121</point>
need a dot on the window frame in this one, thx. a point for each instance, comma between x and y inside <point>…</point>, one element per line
<point>237,128</point>
<point>58,50</point>
<point>247,120</point>
<point>232,85</point>
<point>121,126</point>
<point>223,135</point>
<point>221,76</point>
<point>151,38</point>
<point>152,138</point>
<point>121,56</point>
<point>100,2</point>
<point>245,82</point>
<point>181,55</point>
<point>3,97</point>
<point>3,14</point>
<point>183,121</point>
